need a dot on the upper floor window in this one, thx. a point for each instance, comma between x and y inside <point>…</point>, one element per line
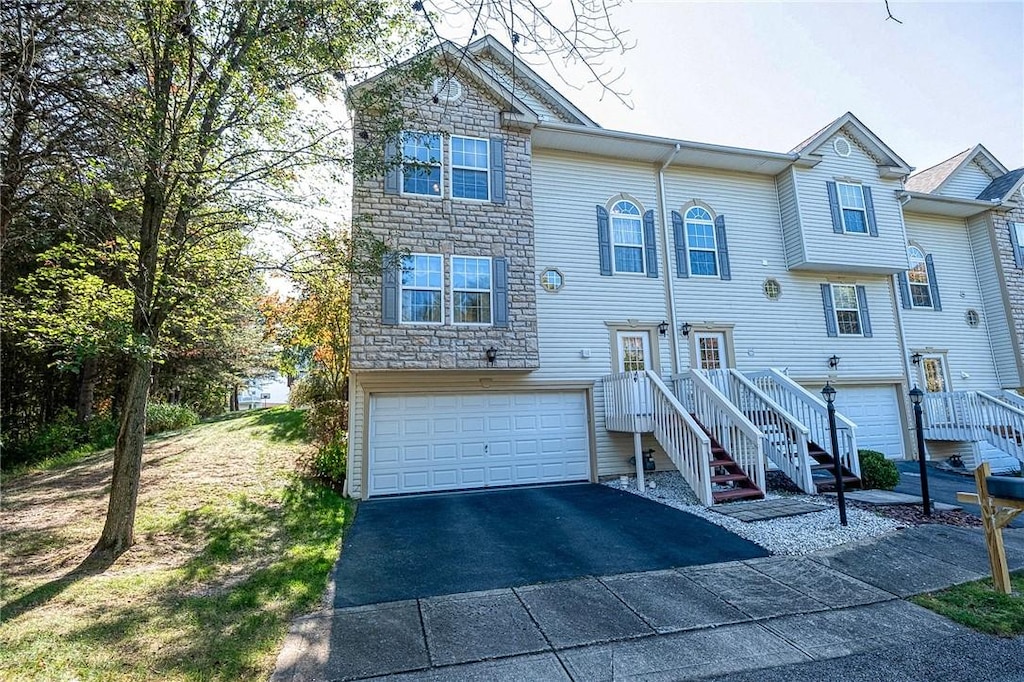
<point>701,243</point>
<point>421,164</point>
<point>1017,243</point>
<point>471,290</point>
<point>917,277</point>
<point>627,237</point>
<point>470,168</point>
<point>422,288</point>
<point>847,309</point>
<point>853,208</point>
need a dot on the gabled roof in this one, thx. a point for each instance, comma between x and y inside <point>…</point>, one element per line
<point>932,180</point>
<point>883,155</point>
<point>1003,186</point>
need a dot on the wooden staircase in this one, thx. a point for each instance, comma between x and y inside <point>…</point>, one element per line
<point>823,471</point>
<point>729,482</point>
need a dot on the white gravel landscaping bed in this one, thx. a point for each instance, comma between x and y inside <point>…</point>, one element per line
<point>793,535</point>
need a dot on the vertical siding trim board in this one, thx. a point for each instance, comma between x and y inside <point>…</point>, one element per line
<point>869,209</point>
<point>679,236</point>
<point>830,310</point>
<point>933,283</point>
<point>904,291</point>
<point>833,204</point>
<point>865,317</point>
<point>497,170</point>
<point>723,248</point>
<point>650,245</point>
<point>604,240</point>
<point>499,265</point>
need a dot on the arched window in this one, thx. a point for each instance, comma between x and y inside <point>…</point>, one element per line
<point>700,242</point>
<point>917,278</point>
<point>627,237</point>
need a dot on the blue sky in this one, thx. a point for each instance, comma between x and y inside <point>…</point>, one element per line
<point>767,75</point>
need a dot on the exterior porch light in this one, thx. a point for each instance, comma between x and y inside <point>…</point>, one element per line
<point>916,394</point>
<point>833,363</point>
<point>663,328</point>
<point>916,358</point>
<point>492,355</point>
<point>685,328</point>
<point>828,393</point>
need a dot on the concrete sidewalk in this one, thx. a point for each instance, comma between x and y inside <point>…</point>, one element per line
<point>687,623</point>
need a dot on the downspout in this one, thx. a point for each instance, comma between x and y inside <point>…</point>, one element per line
<point>670,289</point>
<point>897,305</point>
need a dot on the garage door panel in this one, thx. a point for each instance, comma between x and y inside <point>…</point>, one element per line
<point>875,411</point>
<point>453,441</point>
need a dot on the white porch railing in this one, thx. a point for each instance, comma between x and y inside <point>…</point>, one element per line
<point>725,422</point>
<point>640,402</point>
<point>974,416</point>
<point>812,412</point>
<point>785,438</point>
<point>1012,398</point>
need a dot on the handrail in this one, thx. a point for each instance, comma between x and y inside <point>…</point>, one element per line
<point>681,437</point>
<point>1004,426</point>
<point>627,402</point>
<point>811,411</point>
<point>786,439</point>
<point>728,425</point>
<point>974,416</point>
<point>1012,398</point>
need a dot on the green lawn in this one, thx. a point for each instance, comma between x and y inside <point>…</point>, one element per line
<point>230,545</point>
<point>977,605</point>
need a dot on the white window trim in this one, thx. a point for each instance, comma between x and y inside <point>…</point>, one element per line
<point>643,242</point>
<point>440,167</point>
<point>836,309</point>
<point>927,284</point>
<point>452,168</point>
<point>452,290</point>
<point>864,210</point>
<point>714,241</point>
<point>402,288</point>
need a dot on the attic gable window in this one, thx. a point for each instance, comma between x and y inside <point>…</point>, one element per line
<point>853,208</point>
<point>470,168</point>
<point>421,164</point>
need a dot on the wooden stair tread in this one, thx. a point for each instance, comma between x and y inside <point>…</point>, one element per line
<point>736,494</point>
<point>725,478</point>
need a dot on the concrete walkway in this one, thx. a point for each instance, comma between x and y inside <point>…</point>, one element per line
<point>688,623</point>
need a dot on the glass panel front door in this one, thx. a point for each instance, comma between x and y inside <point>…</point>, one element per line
<point>934,369</point>
<point>634,351</point>
<point>711,350</point>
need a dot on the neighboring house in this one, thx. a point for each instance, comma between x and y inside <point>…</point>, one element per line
<point>575,295</point>
<point>264,392</point>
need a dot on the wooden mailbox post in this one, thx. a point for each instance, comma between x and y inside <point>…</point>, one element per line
<point>998,508</point>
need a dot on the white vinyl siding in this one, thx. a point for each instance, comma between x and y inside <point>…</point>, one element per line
<point>789,211</point>
<point>968,183</point>
<point>826,251</point>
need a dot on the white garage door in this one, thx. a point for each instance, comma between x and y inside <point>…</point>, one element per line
<point>876,412</point>
<point>421,443</point>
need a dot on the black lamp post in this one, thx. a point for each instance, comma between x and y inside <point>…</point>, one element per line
<point>829,393</point>
<point>916,396</point>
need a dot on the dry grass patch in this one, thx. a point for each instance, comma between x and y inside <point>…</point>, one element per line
<point>230,544</point>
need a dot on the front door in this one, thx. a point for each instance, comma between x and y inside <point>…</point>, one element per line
<point>711,351</point>
<point>936,380</point>
<point>634,351</point>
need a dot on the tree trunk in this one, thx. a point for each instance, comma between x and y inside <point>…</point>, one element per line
<point>234,398</point>
<point>87,376</point>
<point>118,531</point>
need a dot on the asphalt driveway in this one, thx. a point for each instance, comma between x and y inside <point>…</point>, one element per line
<point>942,486</point>
<point>424,546</point>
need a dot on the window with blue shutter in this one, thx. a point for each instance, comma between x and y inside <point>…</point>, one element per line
<point>852,208</point>
<point>650,244</point>
<point>701,242</point>
<point>919,287</point>
<point>846,310</point>
<point>679,239</point>
<point>497,170</point>
<point>723,248</point>
<point>829,309</point>
<point>604,240</point>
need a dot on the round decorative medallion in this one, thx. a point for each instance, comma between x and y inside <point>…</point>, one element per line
<point>842,146</point>
<point>551,279</point>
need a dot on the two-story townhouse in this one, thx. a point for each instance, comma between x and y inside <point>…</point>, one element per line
<point>563,280</point>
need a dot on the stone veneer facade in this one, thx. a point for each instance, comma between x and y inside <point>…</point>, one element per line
<point>1013,276</point>
<point>449,226</point>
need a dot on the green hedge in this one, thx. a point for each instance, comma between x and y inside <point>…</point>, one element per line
<point>876,471</point>
<point>167,417</point>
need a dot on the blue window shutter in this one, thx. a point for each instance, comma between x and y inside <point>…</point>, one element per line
<point>904,290</point>
<point>865,318</point>
<point>650,245</point>
<point>723,248</point>
<point>390,293</point>
<point>679,236</point>
<point>392,172</point>
<point>604,240</point>
<point>830,310</point>
<point>499,268</point>
<point>869,209</point>
<point>833,203</point>
<point>497,170</point>
<point>933,283</point>
<point>1018,248</point>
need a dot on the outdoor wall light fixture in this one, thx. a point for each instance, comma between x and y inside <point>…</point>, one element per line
<point>685,328</point>
<point>492,355</point>
<point>663,328</point>
<point>833,362</point>
<point>916,358</point>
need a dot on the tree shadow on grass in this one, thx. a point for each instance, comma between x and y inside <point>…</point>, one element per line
<point>286,425</point>
<point>90,566</point>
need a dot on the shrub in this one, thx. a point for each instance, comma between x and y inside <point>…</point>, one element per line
<point>876,471</point>
<point>327,463</point>
<point>64,435</point>
<point>167,417</point>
